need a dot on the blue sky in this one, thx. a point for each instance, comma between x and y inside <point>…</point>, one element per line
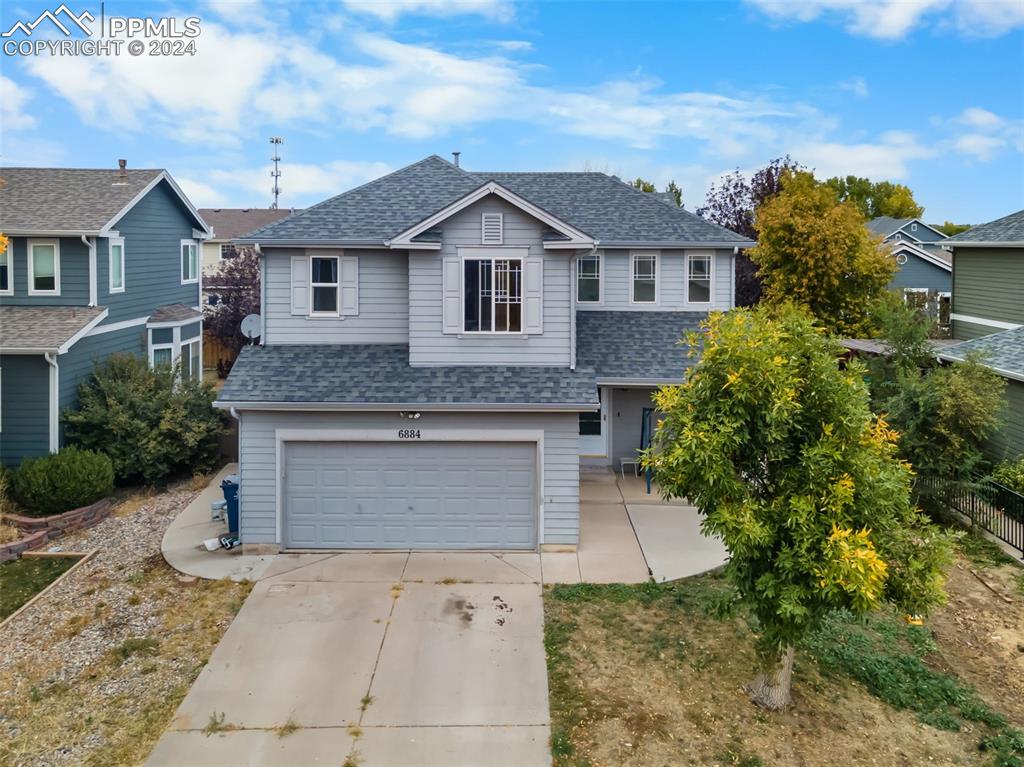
<point>929,93</point>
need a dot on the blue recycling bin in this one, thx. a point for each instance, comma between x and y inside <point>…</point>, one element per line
<point>230,488</point>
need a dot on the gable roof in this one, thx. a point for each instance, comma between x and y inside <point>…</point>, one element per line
<point>936,256</point>
<point>231,223</point>
<point>1003,352</point>
<point>610,211</point>
<point>888,226</point>
<point>76,201</point>
<point>1006,231</point>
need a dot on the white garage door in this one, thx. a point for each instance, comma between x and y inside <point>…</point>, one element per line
<point>410,495</point>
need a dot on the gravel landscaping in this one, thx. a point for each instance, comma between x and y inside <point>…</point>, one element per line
<point>91,673</point>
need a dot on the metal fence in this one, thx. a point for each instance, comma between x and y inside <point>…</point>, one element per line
<point>986,503</point>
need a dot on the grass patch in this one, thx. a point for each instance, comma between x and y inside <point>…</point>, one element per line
<point>982,552</point>
<point>23,578</point>
<point>133,646</point>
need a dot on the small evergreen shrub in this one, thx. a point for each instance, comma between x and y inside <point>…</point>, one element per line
<point>1011,474</point>
<point>154,426</point>
<point>63,481</point>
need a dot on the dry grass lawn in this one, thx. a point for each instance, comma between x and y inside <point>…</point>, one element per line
<point>654,675</point>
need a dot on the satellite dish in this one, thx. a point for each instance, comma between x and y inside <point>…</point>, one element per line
<point>252,326</point>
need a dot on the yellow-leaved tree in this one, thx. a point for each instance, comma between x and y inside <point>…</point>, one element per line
<point>815,251</point>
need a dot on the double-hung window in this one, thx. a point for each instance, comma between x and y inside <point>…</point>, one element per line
<point>43,268</point>
<point>116,264</point>
<point>492,298</point>
<point>7,269</point>
<point>588,279</point>
<point>323,281</point>
<point>189,261</point>
<point>645,278</point>
<point>698,278</point>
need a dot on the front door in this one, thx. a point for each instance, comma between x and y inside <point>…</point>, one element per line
<point>594,429</point>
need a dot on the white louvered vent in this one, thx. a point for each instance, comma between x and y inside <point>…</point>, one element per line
<point>492,229</point>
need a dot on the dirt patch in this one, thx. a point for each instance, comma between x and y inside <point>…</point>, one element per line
<point>655,678</point>
<point>92,672</point>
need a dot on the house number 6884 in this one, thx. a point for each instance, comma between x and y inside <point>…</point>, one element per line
<point>408,433</point>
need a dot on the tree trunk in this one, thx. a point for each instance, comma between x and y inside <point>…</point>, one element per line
<point>771,687</point>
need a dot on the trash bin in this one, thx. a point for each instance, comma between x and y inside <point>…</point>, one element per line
<point>230,488</point>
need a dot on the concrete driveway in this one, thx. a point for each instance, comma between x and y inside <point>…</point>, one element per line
<point>390,658</point>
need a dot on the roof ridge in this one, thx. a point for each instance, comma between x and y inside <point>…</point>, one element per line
<point>91,170</point>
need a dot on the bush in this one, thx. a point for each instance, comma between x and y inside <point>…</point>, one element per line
<point>1011,474</point>
<point>153,426</point>
<point>66,480</point>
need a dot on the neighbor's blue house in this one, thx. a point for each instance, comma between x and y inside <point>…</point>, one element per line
<point>923,264</point>
<point>98,262</point>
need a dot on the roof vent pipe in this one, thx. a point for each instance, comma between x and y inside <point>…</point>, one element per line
<point>121,168</point>
<point>455,158</point>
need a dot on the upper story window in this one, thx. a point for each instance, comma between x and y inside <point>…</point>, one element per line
<point>189,261</point>
<point>588,279</point>
<point>698,278</point>
<point>323,280</point>
<point>492,230</point>
<point>645,278</point>
<point>227,250</point>
<point>492,298</point>
<point>43,268</point>
<point>6,270</point>
<point>116,265</point>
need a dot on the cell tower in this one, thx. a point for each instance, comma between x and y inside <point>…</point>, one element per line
<point>276,141</point>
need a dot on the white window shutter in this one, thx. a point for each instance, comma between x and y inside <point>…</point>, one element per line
<point>492,230</point>
<point>300,285</point>
<point>533,305</point>
<point>451,295</point>
<point>349,286</point>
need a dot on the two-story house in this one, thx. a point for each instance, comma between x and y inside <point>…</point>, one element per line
<point>97,262</point>
<point>441,349</point>
<point>988,314</point>
<point>923,265</point>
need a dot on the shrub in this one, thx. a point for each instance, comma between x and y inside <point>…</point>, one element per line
<point>66,480</point>
<point>1011,474</point>
<point>153,426</point>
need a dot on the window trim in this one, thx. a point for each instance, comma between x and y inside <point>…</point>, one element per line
<point>492,255</point>
<point>153,348</point>
<point>600,279</point>
<point>186,347</point>
<point>710,256</point>
<point>633,256</point>
<point>9,256</point>
<point>220,251</point>
<point>110,270</point>
<point>190,280</point>
<point>30,257</point>
<point>336,284</point>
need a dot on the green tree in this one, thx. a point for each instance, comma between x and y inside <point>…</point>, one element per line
<point>676,191</point>
<point>815,251</point>
<point>948,228</point>
<point>876,198</point>
<point>648,186</point>
<point>906,334</point>
<point>777,448</point>
<point>643,185</point>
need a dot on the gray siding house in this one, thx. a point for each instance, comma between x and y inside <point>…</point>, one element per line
<point>98,262</point>
<point>923,264</point>
<point>443,349</point>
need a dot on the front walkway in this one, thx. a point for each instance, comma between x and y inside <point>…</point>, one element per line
<point>626,536</point>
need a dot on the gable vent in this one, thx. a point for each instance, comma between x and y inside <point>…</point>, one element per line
<point>492,229</point>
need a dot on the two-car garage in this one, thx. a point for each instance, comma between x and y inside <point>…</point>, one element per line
<point>409,495</point>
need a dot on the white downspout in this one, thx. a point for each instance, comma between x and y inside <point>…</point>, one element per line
<point>51,359</point>
<point>90,243</point>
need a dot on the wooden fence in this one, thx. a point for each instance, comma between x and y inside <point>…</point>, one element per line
<point>214,351</point>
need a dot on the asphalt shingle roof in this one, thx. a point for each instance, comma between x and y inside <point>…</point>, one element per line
<point>1003,352</point>
<point>229,223</point>
<point>42,328</point>
<point>886,225</point>
<point>174,313</point>
<point>1006,229</point>
<point>381,374</point>
<point>66,199</point>
<point>635,346</point>
<point>600,205</point>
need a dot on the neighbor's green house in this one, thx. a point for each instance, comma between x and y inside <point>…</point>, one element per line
<point>988,313</point>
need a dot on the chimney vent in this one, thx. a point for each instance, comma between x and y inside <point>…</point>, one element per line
<point>455,158</point>
<point>121,167</point>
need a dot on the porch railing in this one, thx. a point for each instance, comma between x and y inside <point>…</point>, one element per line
<point>986,503</point>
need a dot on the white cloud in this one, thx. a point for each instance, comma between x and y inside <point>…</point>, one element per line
<point>299,182</point>
<point>200,194</point>
<point>514,45</point>
<point>887,158</point>
<point>986,134</point>
<point>980,118</point>
<point>13,99</point>
<point>858,86</point>
<point>893,19</point>
<point>389,10</point>
<point>979,146</point>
